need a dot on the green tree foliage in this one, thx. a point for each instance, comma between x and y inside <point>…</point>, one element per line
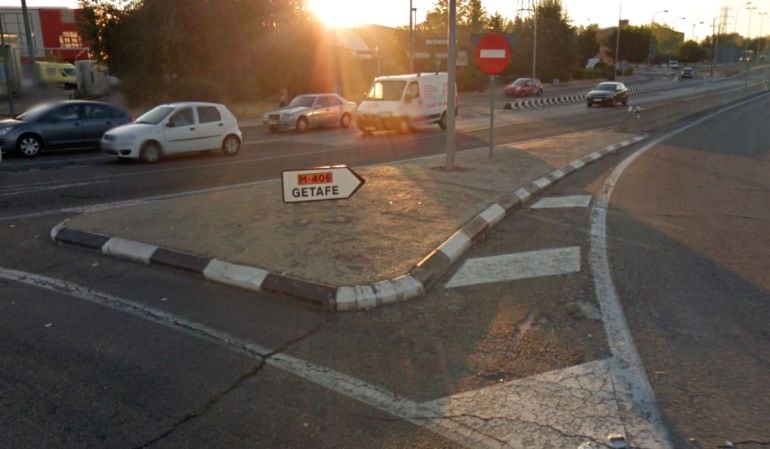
<point>587,45</point>
<point>472,17</point>
<point>496,23</point>
<point>556,43</point>
<point>691,51</point>
<point>634,42</point>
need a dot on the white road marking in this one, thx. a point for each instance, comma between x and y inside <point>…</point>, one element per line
<point>511,267</point>
<point>349,386</point>
<point>636,398</point>
<point>551,202</point>
<point>34,189</point>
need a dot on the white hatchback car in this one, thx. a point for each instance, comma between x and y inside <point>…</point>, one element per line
<point>175,128</point>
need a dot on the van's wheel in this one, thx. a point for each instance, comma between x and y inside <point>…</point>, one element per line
<point>625,102</point>
<point>302,124</point>
<point>29,145</point>
<point>345,120</point>
<point>231,145</point>
<point>442,122</point>
<point>151,152</point>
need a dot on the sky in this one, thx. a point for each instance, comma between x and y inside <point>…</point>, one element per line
<point>682,13</point>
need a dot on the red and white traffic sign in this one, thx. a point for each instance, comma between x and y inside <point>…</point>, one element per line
<point>336,182</point>
<point>493,53</point>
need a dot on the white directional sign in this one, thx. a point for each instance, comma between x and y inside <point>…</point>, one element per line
<point>337,182</point>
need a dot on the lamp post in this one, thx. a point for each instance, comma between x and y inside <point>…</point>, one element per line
<point>649,46</point>
<point>714,43</point>
<point>412,20</point>
<point>534,41</point>
<point>761,43</point>
<point>693,37</point>
<point>748,30</point>
<point>617,42</point>
<point>737,11</point>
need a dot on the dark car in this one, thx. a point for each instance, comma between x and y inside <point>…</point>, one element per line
<point>687,72</point>
<point>61,125</point>
<point>524,87</point>
<point>609,93</point>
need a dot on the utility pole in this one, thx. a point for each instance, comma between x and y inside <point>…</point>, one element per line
<point>617,40</point>
<point>451,79</point>
<point>30,42</point>
<point>411,38</point>
<point>8,85</point>
<point>534,40</point>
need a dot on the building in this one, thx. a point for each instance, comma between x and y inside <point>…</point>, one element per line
<point>55,33</point>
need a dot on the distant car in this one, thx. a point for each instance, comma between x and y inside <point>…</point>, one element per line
<point>673,64</point>
<point>311,111</point>
<point>524,87</point>
<point>687,72</point>
<point>175,128</point>
<point>60,125</point>
<point>608,93</point>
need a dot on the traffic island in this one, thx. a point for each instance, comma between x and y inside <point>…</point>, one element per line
<point>389,242</point>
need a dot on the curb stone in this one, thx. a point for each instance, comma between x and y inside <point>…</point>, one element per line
<point>567,99</point>
<point>338,298</point>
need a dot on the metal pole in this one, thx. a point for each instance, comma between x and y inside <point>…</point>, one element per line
<point>8,86</point>
<point>761,42</point>
<point>411,38</point>
<point>617,40</point>
<point>737,11</point>
<point>534,42</point>
<point>451,77</point>
<point>491,115</point>
<point>748,30</point>
<point>30,42</point>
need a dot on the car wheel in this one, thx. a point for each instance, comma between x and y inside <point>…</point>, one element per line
<point>30,145</point>
<point>345,120</point>
<point>625,102</point>
<point>302,124</point>
<point>151,152</point>
<point>540,93</point>
<point>442,122</point>
<point>231,145</point>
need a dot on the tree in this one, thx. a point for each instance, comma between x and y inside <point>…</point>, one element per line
<point>587,45</point>
<point>634,43</point>
<point>496,23</point>
<point>691,51</point>
<point>473,16</point>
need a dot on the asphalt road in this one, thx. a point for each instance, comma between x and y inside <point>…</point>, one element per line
<point>101,353</point>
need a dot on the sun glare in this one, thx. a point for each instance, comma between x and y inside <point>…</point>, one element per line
<point>336,13</point>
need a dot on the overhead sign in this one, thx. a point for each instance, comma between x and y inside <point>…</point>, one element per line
<point>493,53</point>
<point>336,182</point>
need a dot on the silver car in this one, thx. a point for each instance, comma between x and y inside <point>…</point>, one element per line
<point>311,110</point>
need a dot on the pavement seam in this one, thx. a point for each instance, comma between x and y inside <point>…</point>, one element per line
<point>338,298</point>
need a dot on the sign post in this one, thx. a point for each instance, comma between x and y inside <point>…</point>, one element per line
<point>493,54</point>
<point>330,183</point>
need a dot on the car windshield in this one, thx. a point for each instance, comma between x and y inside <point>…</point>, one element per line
<point>303,101</point>
<point>155,116</point>
<point>34,112</point>
<point>605,86</point>
<point>521,82</point>
<point>70,72</point>
<point>386,90</point>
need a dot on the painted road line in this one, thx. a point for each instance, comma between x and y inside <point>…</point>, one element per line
<point>511,267</point>
<point>553,202</point>
<point>635,394</point>
<point>348,386</point>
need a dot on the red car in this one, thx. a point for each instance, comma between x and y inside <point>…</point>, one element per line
<point>524,87</point>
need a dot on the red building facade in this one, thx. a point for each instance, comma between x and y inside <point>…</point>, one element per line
<point>61,36</point>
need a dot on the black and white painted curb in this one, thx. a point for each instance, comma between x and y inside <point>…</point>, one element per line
<point>339,298</point>
<point>536,103</point>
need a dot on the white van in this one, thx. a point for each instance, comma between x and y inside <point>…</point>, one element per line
<point>400,102</point>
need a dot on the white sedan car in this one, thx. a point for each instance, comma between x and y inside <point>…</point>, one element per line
<point>175,128</point>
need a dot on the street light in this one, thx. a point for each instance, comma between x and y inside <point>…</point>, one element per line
<point>412,20</point>
<point>738,10</point>
<point>748,30</point>
<point>692,35</point>
<point>761,42</point>
<point>649,46</point>
<point>617,42</point>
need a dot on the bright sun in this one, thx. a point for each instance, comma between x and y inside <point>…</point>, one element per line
<point>337,13</point>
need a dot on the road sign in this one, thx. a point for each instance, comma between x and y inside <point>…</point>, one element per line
<point>336,182</point>
<point>493,53</point>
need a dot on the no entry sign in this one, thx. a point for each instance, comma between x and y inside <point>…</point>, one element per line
<point>493,53</point>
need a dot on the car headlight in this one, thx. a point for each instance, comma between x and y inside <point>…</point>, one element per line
<point>5,131</point>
